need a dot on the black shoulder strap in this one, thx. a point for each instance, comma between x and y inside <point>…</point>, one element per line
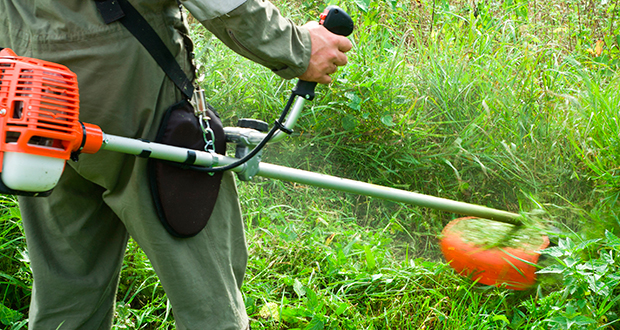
<point>123,12</point>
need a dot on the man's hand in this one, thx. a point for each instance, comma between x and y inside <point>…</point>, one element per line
<point>328,53</point>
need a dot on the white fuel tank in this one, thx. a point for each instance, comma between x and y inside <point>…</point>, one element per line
<point>32,173</point>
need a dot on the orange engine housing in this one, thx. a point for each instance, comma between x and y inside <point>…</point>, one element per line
<point>39,107</point>
<point>39,124</point>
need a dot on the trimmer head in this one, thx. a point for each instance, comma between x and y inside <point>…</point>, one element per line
<point>510,262</point>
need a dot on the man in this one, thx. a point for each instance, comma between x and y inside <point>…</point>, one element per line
<point>77,236</point>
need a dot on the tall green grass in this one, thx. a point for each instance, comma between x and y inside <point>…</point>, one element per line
<point>15,276</point>
<point>501,103</point>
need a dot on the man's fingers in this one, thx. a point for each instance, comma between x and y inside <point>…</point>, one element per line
<point>334,69</point>
<point>344,44</point>
<point>340,59</point>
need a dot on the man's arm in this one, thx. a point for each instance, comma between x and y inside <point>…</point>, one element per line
<point>257,30</point>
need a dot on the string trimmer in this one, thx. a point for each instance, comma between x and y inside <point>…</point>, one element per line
<point>40,130</point>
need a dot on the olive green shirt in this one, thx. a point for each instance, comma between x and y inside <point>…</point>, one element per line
<point>119,81</point>
<point>254,28</point>
<point>76,237</point>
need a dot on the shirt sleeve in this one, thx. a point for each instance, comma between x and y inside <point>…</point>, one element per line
<point>256,30</point>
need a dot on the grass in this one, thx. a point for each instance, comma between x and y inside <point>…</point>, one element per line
<point>507,104</point>
<point>15,277</point>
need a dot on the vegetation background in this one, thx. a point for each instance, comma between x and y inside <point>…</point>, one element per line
<point>511,104</point>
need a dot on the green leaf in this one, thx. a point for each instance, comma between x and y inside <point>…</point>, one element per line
<point>362,4</point>
<point>607,258</point>
<point>554,251</point>
<point>355,102</point>
<point>553,269</point>
<point>313,301</point>
<point>15,213</point>
<point>315,324</point>
<point>585,244</point>
<point>349,122</point>
<point>570,261</point>
<point>370,257</point>
<point>568,322</point>
<point>600,266</point>
<point>343,307</point>
<point>597,287</point>
<point>387,120</point>
<point>559,320</point>
<point>581,303</point>
<point>501,318</point>
<point>583,320</point>
<point>299,288</point>
<point>612,240</point>
<point>566,244</point>
<point>9,316</point>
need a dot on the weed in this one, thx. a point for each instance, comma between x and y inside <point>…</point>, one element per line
<point>590,285</point>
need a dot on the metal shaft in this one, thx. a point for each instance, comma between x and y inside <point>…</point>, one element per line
<point>372,190</point>
<point>181,155</point>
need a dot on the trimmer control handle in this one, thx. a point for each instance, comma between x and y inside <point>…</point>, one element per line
<point>336,21</point>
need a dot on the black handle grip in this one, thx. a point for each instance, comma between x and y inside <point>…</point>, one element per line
<point>337,21</point>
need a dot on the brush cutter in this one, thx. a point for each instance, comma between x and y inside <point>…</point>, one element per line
<point>40,130</point>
